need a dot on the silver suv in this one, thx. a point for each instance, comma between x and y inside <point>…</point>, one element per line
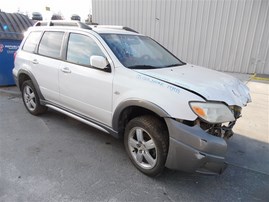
<point>169,113</point>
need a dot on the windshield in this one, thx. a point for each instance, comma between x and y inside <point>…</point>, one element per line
<point>140,52</point>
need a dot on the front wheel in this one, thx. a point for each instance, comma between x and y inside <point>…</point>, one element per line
<point>31,99</point>
<point>146,142</point>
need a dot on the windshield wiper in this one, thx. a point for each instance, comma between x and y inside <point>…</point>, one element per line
<point>143,67</point>
<point>173,65</point>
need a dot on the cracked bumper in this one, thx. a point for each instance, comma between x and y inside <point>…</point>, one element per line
<point>191,149</point>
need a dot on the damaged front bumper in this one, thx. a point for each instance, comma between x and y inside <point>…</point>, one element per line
<point>191,149</point>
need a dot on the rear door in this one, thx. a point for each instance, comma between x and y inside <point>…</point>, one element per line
<point>84,89</point>
<point>46,64</point>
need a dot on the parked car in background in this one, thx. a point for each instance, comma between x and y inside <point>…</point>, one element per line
<point>37,16</point>
<point>75,17</point>
<point>56,17</point>
<point>169,113</point>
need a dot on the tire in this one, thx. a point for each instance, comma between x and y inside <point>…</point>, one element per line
<point>146,143</point>
<point>31,99</point>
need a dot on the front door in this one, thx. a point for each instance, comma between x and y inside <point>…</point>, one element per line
<point>84,89</point>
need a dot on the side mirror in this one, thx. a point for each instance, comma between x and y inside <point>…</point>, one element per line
<point>99,62</point>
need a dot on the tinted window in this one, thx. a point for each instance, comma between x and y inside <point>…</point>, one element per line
<point>81,48</point>
<point>50,44</point>
<point>31,41</point>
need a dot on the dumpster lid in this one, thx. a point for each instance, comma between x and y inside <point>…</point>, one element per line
<point>13,25</point>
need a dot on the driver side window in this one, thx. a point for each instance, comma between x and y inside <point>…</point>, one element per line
<point>81,48</point>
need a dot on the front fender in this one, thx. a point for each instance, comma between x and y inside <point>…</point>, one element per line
<point>136,103</point>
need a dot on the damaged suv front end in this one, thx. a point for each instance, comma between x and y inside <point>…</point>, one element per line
<point>200,145</point>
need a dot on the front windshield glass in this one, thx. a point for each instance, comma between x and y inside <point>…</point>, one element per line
<point>140,52</point>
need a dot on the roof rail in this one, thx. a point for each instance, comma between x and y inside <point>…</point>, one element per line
<point>115,27</point>
<point>62,23</point>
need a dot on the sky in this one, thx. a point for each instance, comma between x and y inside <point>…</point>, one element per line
<point>65,7</point>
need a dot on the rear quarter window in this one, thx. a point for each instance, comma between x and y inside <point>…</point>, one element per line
<point>31,42</point>
<point>50,44</point>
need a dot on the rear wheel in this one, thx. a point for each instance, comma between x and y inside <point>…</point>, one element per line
<point>31,99</point>
<point>146,142</point>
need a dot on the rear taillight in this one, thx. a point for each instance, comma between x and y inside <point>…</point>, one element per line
<point>15,53</point>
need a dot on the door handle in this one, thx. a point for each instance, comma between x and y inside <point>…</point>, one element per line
<point>34,61</point>
<point>66,70</point>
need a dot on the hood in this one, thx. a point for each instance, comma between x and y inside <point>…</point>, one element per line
<point>210,84</point>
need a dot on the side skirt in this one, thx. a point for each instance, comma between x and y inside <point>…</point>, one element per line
<point>82,118</point>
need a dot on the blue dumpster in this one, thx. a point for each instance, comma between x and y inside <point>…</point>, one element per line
<point>12,27</point>
<point>7,50</point>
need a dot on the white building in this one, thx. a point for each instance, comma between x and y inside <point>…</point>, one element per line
<point>226,35</point>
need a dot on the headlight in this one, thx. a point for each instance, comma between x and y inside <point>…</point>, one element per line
<point>212,112</point>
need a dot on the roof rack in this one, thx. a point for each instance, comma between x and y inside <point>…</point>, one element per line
<point>115,27</point>
<point>62,23</point>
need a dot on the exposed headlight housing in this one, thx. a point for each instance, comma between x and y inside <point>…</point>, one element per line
<point>212,112</point>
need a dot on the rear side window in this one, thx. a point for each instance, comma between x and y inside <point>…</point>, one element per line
<point>50,44</point>
<point>81,48</point>
<point>31,41</point>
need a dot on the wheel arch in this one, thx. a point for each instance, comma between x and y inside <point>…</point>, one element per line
<point>24,75</point>
<point>130,109</point>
